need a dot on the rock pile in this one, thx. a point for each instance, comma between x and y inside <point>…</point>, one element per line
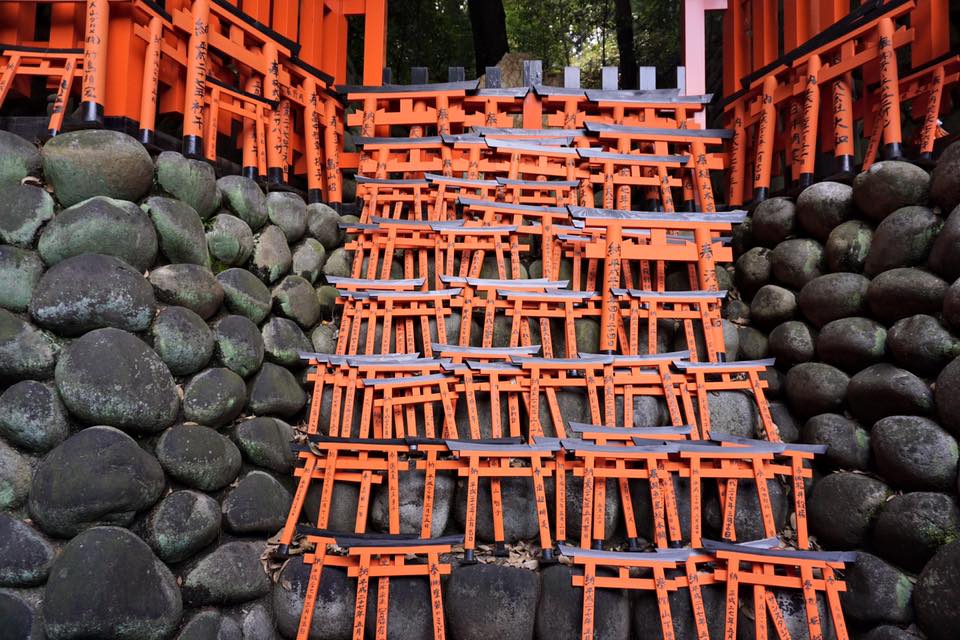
<point>854,290</point>
<point>150,320</point>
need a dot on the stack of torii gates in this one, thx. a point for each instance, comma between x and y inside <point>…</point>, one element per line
<point>451,360</point>
<point>817,89</point>
<point>234,79</point>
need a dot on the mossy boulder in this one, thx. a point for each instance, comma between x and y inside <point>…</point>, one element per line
<point>180,230</point>
<point>111,377</point>
<point>192,181</point>
<point>101,225</point>
<point>18,159</point>
<point>25,209</point>
<point>92,291</point>
<point>84,164</point>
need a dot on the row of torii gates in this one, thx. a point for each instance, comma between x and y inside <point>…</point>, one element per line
<point>812,87</point>
<point>496,222</point>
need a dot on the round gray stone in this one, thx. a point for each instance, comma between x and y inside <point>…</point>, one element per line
<point>21,619</point>
<point>128,594</point>
<point>25,555</point>
<point>97,476</point>
<point>84,164</point>
<point>181,524</point>
<point>239,345</point>
<point>101,225</point>
<point>111,377</point>
<point>748,519</point>
<point>852,344</point>
<point>411,490</point>
<point>327,296</point>
<point>323,223</point>
<point>257,505</point>
<point>848,246</point>
<point>18,159</point>
<point>900,293</point>
<point>92,291</point>
<point>335,601</point>
<point>903,239</point>
<point>888,186</point>
<point>187,285</point>
<point>244,294</point>
<point>283,341</point>
<point>876,592</point>
<point>245,199</point>
<point>296,299</point>
<point>753,270</point>
<point>753,344</point>
<point>796,262</point>
<point>274,391</point>
<point>26,209</point>
<point>646,614</point>
<point>736,311</point>
<point>324,338</point>
<point>792,343</point>
<point>211,625</point>
<point>192,181</point>
<point>343,506</point>
<point>772,305</point>
<point>289,212</point>
<point>560,610</point>
<point>230,574</point>
<point>486,601</point>
<point>921,344</point>
<point>848,444</point>
<point>783,419</point>
<point>947,396</point>
<point>842,508</point>
<point>519,509</point>
<point>815,387</point>
<point>20,271</point>
<point>943,259</point>
<point>733,412</point>
<point>951,306</point>
<point>883,390</point>
<point>33,417</point>
<point>180,229</point>
<point>945,179</point>
<point>914,453</point>
<point>198,457</point>
<point>308,259</point>
<point>266,442</point>
<point>890,632</point>
<point>339,263</point>
<point>409,609</point>
<point>229,240</point>
<point>912,528</point>
<point>774,220</point>
<point>271,255</point>
<point>824,206</point>
<point>25,351</point>
<point>15,476</point>
<point>214,397</point>
<point>937,592</point>
<point>834,296</point>
<point>182,340</point>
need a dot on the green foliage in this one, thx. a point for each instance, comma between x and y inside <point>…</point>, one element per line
<point>436,34</point>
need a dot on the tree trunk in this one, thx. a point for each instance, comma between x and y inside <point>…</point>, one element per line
<point>489,23</point>
<point>628,57</point>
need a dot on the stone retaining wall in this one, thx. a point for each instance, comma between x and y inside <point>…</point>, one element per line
<point>150,319</point>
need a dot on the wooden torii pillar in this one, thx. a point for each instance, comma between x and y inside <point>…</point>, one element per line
<point>695,48</point>
<point>374,38</point>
